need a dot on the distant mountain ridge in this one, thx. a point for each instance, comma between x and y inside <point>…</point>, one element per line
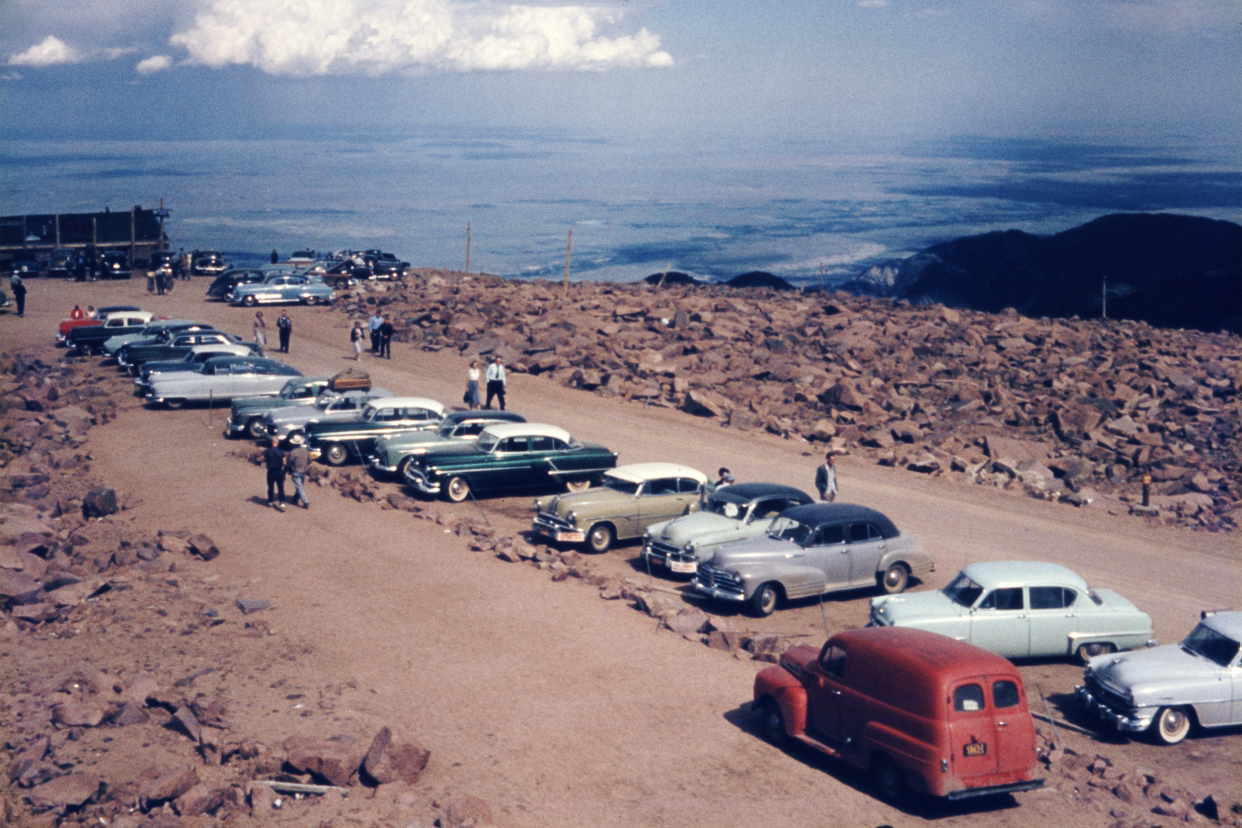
<point>1170,271</point>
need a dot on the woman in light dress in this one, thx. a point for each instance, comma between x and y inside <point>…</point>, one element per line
<point>355,337</point>
<point>260,331</point>
<point>472,385</point>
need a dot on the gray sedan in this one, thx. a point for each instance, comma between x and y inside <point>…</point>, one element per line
<point>331,405</point>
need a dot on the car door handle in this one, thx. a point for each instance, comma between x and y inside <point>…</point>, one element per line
<point>1002,724</point>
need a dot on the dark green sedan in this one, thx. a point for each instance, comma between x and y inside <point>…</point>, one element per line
<point>512,456</point>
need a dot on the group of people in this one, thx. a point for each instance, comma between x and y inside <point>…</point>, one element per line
<point>284,329</point>
<point>381,337</point>
<point>296,463</point>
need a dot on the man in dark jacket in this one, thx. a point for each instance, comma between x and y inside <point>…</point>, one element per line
<point>274,462</point>
<point>297,461</point>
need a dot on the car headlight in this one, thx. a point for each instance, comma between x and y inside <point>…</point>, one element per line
<point>646,536</point>
<point>571,517</point>
<point>690,547</point>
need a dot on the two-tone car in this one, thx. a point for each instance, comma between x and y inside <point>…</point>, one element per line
<point>335,443</point>
<point>246,416</point>
<point>813,550</point>
<point>392,454</point>
<point>630,499</point>
<point>509,457</point>
<point>731,513</point>
<point>1169,690</point>
<point>1021,609</point>
<point>222,378</point>
<point>198,356</point>
<point>134,355</point>
<point>156,331</point>
<point>98,318</point>
<point>291,422</point>
<point>308,289</point>
<point>90,339</point>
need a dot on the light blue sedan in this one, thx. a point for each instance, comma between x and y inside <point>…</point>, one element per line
<point>1021,608</point>
<point>286,287</point>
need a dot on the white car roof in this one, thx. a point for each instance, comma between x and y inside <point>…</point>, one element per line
<point>992,574</point>
<point>408,402</point>
<point>640,472</point>
<point>502,430</point>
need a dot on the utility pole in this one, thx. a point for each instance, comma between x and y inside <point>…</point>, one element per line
<point>1104,297</point>
<point>569,245</point>
<point>467,248</point>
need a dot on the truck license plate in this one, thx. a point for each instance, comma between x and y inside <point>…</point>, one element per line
<point>976,749</point>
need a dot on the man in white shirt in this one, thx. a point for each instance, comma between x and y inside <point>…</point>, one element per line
<point>375,323</point>
<point>496,382</point>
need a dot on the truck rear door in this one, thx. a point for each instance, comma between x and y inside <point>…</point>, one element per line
<point>972,731</point>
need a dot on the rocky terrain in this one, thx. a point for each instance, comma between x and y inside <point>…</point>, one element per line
<point>1072,410</point>
<point>151,683</point>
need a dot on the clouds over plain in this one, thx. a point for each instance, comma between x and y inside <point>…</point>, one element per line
<point>369,37</point>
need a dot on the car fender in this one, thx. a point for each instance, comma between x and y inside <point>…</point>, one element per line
<point>783,687</point>
<point>796,579</point>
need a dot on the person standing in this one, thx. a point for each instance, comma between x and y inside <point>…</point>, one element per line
<point>375,323</point>
<point>472,385</point>
<point>496,382</point>
<point>826,479</point>
<point>297,461</point>
<point>19,293</point>
<point>260,331</point>
<point>284,327</point>
<point>275,256</point>
<point>184,265</point>
<point>385,335</point>
<point>77,313</point>
<point>79,270</point>
<point>355,338</point>
<point>274,462</point>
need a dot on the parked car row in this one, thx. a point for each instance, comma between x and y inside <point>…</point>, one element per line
<point>924,697</point>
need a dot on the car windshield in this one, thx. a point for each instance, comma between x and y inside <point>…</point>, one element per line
<point>962,590</point>
<point>628,487</point>
<point>726,508</point>
<point>487,442</point>
<point>788,529</point>
<point>1210,644</point>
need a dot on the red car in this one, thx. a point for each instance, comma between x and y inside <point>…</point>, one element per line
<point>921,711</point>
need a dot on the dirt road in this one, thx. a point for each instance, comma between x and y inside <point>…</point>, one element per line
<point>559,708</point>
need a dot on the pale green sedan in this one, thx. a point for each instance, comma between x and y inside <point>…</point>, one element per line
<point>1021,608</point>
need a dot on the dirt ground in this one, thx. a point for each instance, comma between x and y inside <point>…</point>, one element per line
<point>555,707</point>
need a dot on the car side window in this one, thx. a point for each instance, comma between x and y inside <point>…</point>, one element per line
<point>514,444</point>
<point>833,661</point>
<point>768,508</point>
<point>687,485</point>
<point>1048,597</point>
<point>662,486</point>
<point>829,535</point>
<point>468,430</point>
<point>540,443</point>
<point>1004,694</point>
<point>559,444</point>
<point>858,533</point>
<point>1009,598</point>
<point>968,698</point>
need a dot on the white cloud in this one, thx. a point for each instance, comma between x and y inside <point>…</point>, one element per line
<point>52,51</point>
<point>328,37</point>
<point>153,64</point>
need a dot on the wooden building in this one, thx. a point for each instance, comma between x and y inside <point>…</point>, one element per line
<point>139,232</point>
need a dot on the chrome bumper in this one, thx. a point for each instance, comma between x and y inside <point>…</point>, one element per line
<point>556,530</point>
<point>1125,722</point>
<point>419,481</point>
<point>718,594</point>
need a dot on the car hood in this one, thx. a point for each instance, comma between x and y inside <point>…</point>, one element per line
<point>913,607</point>
<point>1157,675</point>
<point>755,550</point>
<point>589,499</point>
<point>695,525</point>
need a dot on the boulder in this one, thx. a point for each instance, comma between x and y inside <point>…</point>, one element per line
<point>72,790</point>
<point>204,547</point>
<point>99,502</point>
<point>334,760</point>
<point>78,714</point>
<point>395,757</point>
<point>167,786</point>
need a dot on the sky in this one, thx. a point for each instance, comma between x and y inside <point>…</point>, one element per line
<point>697,76</point>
